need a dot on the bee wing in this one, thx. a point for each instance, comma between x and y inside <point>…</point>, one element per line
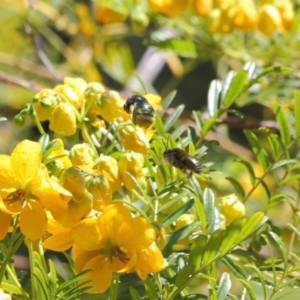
<point>193,164</point>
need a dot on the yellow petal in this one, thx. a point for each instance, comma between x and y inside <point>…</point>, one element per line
<point>59,242</point>
<point>33,220</point>
<point>82,257</point>
<point>7,177</point>
<point>149,261</point>
<point>100,274</point>
<point>113,218</point>
<point>86,234</point>
<point>4,224</point>
<point>137,235</point>
<point>25,162</point>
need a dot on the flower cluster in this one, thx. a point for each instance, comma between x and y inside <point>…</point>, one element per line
<point>223,16</point>
<point>69,194</point>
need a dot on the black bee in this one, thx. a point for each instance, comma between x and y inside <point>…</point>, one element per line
<point>141,112</point>
<point>182,160</point>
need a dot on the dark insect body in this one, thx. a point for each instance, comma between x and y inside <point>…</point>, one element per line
<point>182,160</point>
<point>141,112</point>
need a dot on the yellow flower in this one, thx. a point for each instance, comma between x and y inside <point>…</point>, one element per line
<point>98,185</point>
<point>269,19</point>
<point>25,190</point>
<point>244,16</point>
<point>108,167</point>
<point>63,119</point>
<point>224,4</point>
<point>82,155</point>
<point>115,242</point>
<point>44,102</point>
<point>110,106</point>
<point>170,8</point>
<point>108,15</point>
<point>132,163</point>
<point>134,138</point>
<point>202,7</point>
<point>231,208</point>
<point>60,239</point>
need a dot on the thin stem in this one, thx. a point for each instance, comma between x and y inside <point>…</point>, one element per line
<point>34,289</point>
<point>37,121</point>
<point>113,294</point>
<point>88,138</point>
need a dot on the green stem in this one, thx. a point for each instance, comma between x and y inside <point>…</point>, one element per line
<point>88,138</point>
<point>37,121</point>
<point>113,294</point>
<point>34,289</point>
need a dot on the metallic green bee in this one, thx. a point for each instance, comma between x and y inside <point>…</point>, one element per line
<point>141,112</point>
<point>182,160</point>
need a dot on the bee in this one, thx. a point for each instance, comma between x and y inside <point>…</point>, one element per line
<point>182,160</point>
<point>141,112</point>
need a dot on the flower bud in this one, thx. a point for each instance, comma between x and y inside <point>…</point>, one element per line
<point>170,8</point>
<point>63,119</point>
<point>108,167</point>
<point>133,137</point>
<point>244,17</point>
<point>99,187</point>
<point>269,19</point>
<point>202,7</point>
<point>132,163</point>
<point>73,180</point>
<point>82,154</point>
<point>231,208</point>
<point>224,4</point>
<point>19,119</point>
<point>93,92</point>
<point>44,102</point>
<point>287,14</point>
<point>108,15</point>
<point>110,106</point>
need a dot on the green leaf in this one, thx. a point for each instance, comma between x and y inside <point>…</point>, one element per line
<point>261,278</point>
<point>283,162</point>
<point>282,294</point>
<point>182,47</point>
<point>257,148</point>
<point>232,234</point>
<point>238,271</point>
<point>178,212</point>
<point>207,126</point>
<point>297,111</point>
<point>198,119</point>
<point>280,246</point>
<point>238,187</point>
<point>284,126</point>
<point>184,275</point>
<point>167,101</point>
<point>212,246</point>
<point>253,223</point>
<point>250,67</point>
<point>134,294</point>
<point>159,126</point>
<point>213,97</point>
<point>224,286</point>
<point>197,251</point>
<point>44,141</point>
<point>275,145</point>
<point>278,69</point>
<point>249,168</point>
<point>150,289</point>
<point>209,206</point>
<point>248,288</point>
<point>173,117</point>
<point>235,89</point>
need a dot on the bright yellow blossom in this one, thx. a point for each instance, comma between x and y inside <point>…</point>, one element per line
<point>108,15</point>
<point>202,7</point>
<point>82,155</point>
<point>134,138</point>
<point>108,167</point>
<point>63,119</point>
<point>131,163</point>
<point>231,208</point>
<point>25,189</point>
<point>115,242</point>
<point>154,100</point>
<point>170,8</point>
